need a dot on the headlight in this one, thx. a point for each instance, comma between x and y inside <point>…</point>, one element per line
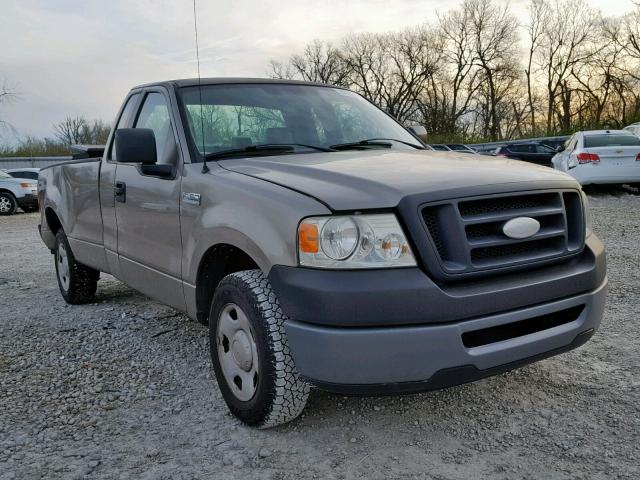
<point>353,241</point>
<point>587,215</point>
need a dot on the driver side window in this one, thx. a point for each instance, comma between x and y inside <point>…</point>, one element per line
<point>155,115</point>
<point>123,122</point>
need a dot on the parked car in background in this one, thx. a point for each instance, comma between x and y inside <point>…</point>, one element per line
<point>601,157</point>
<point>556,144</point>
<point>633,128</point>
<point>440,147</point>
<point>459,147</point>
<point>15,192</point>
<point>28,173</point>
<point>529,152</point>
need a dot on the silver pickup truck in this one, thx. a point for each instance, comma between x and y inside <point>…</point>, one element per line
<point>323,243</point>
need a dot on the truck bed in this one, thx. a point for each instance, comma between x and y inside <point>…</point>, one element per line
<point>71,190</point>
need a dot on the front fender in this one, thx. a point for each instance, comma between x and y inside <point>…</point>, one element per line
<point>258,217</point>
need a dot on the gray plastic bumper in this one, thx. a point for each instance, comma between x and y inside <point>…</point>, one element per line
<point>424,357</point>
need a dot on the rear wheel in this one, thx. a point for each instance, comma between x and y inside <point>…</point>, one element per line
<point>8,203</point>
<point>77,282</point>
<point>250,352</point>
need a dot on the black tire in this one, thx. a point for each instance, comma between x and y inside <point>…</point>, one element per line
<point>280,394</point>
<point>77,282</point>
<point>8,203</point>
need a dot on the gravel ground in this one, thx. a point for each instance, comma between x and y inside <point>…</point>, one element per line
<point>123,388</point>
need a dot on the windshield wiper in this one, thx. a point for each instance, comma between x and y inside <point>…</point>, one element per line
<point>263,149</point>
<point>372,142</point>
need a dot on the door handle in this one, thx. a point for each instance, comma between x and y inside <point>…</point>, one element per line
<point>120,192</point>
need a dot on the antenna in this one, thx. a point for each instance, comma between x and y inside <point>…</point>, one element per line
<point>205,169</point>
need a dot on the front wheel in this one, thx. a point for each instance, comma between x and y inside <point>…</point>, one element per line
<point>8,204</point>
<point>250,352</point>
<point>77,282</point>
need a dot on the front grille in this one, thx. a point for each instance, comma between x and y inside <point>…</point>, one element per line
<point>506,204</point>
<point>467,234</point>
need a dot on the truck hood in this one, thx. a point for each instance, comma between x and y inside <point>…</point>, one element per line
<point>355,180</point>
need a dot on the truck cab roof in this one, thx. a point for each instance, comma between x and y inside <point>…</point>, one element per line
<point>194,82</point>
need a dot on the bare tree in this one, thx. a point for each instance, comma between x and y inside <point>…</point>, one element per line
<point>495,46</point>
<point>565,44</point>
<point>8,94</point>
<point>538,16</point>
<point>78,130</point>
<point>320,62</point>
<point>458,84</point>
<point>392,70</point>
<point>70,130</point>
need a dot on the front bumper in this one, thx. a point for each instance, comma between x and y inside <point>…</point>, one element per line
<point>28,201</point>
<point>396,331</point>
<point>411,359</point>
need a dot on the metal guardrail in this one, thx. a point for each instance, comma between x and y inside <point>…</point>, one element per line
<point>31,162</point>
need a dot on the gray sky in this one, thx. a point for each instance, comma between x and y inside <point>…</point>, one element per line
<point>75,57</point>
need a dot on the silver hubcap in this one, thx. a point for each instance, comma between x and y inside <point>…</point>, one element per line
<point>5,204</point>
<point>62,262</point>
<point>237,352</point>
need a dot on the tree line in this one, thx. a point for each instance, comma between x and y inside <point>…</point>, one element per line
<point>476,73</point>
<point>67,132</point>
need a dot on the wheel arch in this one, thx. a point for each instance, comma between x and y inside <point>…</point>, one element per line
<point>6,190</point>
<point>53,221</point>
<point>217,262</point>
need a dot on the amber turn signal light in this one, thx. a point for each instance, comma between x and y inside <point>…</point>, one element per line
<point>308,238</point>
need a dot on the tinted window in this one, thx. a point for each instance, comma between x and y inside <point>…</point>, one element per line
<point>610,140</point>
<point>441,148</point>
<point>544,149</point>
<point>519,148</point>
<point>155,115</point>
<point>123,121</point>
<point>19,174</point>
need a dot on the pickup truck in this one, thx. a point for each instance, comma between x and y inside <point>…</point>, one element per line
<point>323,244</point>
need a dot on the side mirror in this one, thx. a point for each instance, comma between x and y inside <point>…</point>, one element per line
<point>560,148</point>
<point>419,131</point>
<point>136,145</point>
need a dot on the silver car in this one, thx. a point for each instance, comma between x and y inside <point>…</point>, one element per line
<point>601,157</point>
<point>633,128</point>
<point>16,192</point>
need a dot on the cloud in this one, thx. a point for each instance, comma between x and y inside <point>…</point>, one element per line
<point>74,57</point>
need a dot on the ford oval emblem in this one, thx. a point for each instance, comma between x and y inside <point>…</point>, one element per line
<point>521,227</point>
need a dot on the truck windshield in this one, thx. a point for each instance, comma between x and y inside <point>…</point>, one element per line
<point>236,116</point>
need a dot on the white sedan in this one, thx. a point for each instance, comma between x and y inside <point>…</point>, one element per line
<point>601,157</point>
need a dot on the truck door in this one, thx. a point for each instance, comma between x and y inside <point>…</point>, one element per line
<point>147,211</point>
<point>107,183</point>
